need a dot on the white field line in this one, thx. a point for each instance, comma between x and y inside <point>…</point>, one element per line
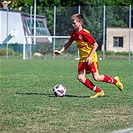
<point>127,130</point>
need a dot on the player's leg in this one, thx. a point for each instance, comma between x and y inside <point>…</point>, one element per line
<point>107,79</point>
<point>81,77</point>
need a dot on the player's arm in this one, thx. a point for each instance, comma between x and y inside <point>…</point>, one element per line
<point>89,59</point>
<point>55,52</point>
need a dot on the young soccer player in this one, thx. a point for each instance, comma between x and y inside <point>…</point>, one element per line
<point>88,62</point>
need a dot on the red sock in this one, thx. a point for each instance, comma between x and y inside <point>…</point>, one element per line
<point>108,79</point>
<point>90,85</point>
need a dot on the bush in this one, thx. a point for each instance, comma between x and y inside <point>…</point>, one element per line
<point>114,53</point>
<point>3,51</point>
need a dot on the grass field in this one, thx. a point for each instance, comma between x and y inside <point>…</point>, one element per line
<point>28,104</point>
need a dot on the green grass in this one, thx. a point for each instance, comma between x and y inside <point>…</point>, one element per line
<point>29,105</point>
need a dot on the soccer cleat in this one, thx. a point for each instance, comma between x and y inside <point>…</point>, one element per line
<point>98,94</point>
<point>119,84</point>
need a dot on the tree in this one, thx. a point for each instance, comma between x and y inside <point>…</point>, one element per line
<point>67,3</point>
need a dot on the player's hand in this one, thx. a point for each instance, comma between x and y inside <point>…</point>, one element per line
<point>56,52</point>
<point>89,60</point>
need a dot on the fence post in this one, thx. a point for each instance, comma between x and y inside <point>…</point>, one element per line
<point>24,48</point>
<point>7,36</point>
<point>104,32</point>
<point>30,30</point>
<point>78,13</point>
<point>129,30</point>
<point>54,29</point>
<point>34,21</point>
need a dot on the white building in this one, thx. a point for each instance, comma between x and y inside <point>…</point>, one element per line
<point>119,39</point>
<point>14,25</point>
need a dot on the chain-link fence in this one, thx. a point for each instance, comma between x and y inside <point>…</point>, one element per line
<point>58,21</point>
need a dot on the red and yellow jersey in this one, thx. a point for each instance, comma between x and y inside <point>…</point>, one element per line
<point>84,42</point>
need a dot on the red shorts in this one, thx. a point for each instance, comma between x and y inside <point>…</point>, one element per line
<point>89,68</point>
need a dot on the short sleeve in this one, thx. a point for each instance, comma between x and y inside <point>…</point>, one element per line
<point>71,39</point>
<point>88,38</point>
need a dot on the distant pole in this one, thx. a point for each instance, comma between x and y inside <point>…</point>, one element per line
<point>104,32</point>
<point>129,30</point>
<point>34,21</point>
<point>54,29</point>
<point>78,13</point>
<point>7,35</point>
<point>24,48</point>
<point>30,31</point>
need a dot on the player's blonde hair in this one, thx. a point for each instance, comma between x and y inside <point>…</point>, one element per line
<point>77,17</point>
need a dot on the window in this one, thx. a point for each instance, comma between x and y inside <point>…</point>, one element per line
<point>118,42</point>
<point>41,29</point>
<point>41,24</point>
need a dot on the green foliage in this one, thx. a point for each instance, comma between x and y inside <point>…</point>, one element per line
<point>47,48</point>
<point>118,2</point>
<point>44,48</point>
<point>114,53</point>
<point>11,52</point>
<point>29,105</point>
<point>115,17</point>
<point>93,21</point>
<point>123,53</point>
<point>48,12</point>
<point>49,3</point>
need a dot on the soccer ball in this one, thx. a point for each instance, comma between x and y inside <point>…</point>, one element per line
<point>59,90</point>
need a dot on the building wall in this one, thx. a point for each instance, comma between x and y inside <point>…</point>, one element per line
<point>119,32</point>
<point>11,21</point>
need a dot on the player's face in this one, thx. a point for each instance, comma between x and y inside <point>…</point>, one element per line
<point>76,24</point>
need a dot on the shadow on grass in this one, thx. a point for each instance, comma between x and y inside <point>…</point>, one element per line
<point>51,95</point>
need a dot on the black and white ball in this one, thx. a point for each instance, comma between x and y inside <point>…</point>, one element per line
<point>59,90</point>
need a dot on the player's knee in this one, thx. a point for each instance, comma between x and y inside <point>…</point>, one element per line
<point>96,78</point>
<point>80,78</point>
